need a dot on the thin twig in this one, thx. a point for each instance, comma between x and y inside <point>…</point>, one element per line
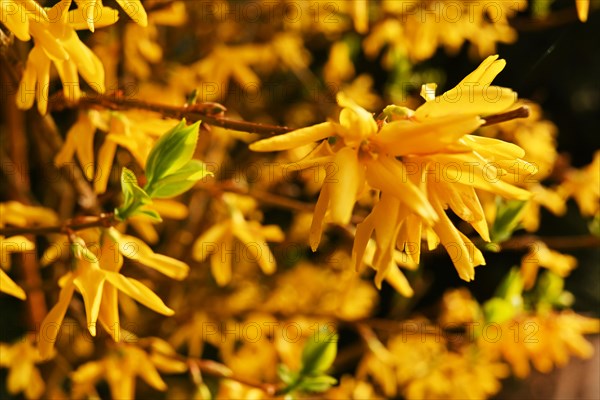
<point>205,112</point>
<point>521,112</point>
<point>103,220</point>
<point>210,112</point>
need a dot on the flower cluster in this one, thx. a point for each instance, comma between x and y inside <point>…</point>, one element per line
<point>400,156</point>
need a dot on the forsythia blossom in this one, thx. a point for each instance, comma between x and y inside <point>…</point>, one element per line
<point>422,162</point>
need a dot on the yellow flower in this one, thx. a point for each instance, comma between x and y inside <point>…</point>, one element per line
<point>584,186</point>
<point>545,340</point>
<point>122,365</point>
<point>23,376</point>
<point>432,140</point>
<point>417,29</point>
<point>422,367</point>
<point>459,308</point>
<point>140,45</point>
<point>540,255</point>
<point>56,41</point>
<point>218,242</point>
<point>80,141</point>
<point>97,278</point>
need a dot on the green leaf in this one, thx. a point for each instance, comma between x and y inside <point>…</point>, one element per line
<point>286,375</point>
<point>550,291</point>
<point>594,225</point>
<point>319,383</point>
<point>319,352</point>
<point>172,151</point>
<point>154,216</point>
<point>511,287</point>
<point>508,217</point>
<point>541,8</point>
<point>134,198</point>
<point>508,300</point>
<point>178,182</point>
<point>498,310</point>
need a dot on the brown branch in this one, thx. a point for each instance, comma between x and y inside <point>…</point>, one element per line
<point>209,112</point>
<point>103,220</point>
<point>521,112</point>
<point>205,112</point>
<point>219,370</point>
<point>565,243</point>
<point>261,196</point>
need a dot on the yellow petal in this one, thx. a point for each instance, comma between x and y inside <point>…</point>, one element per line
<point>135,249</point>
<point>412,137</point>
<point>67,71</point>
<point>85,150</point>
<point>389,175</point>
<point>357,123</point>
<point>51,45</point>
<point>316,227</point>
<point>297,138</point>
<point>494,149</point>
<point>86,10</point>
<point>170,208</point>
<point>220,267</point>
<point>109,312</point>
<point>13,16</point>
<point>90,283</point>
<point>8,286</point>
<point>272,233</point>
<point>364,230</point>
<point>258,250</point>
<point>135,10</point>
<point>51,324</point>
<point>147,371</point>
<point>486,72</point>
<point>139,292</point>
<point>477,100</point>
<point>411,233</point>
<point>398,281</point>
<point>455,245</point>
<point>583,7</point>
<point>106,155</point>
<point>208,242</point>
<point>345,182</point>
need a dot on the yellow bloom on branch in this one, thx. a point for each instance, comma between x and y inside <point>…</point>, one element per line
<point>56,42</point>
<point>540,255</point>
<point>218,243</point>
<point>23,376</point>
<point>120,368</point>
<point>98,278</point>
<point>544,340</point>
<point>421,162</point>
